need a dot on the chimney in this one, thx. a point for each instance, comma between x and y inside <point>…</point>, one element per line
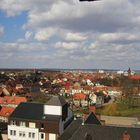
<point>126,136</point>
<point>88,136</point>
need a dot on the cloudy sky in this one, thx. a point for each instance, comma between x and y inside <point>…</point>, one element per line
<point>70,34</point>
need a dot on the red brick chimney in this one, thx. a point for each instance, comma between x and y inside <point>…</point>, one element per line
<point>126,136</point>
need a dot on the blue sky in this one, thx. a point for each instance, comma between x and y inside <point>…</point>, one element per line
<point>70,34</point>
<point>12,26</point>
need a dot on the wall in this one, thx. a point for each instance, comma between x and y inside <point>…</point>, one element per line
<point>52,110</point>
<point>61,124</point>
<point>52,136</point>
<point>24,129</point>
<point>4,137</point>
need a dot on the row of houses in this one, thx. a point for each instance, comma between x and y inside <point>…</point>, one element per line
<point>8,105</point>
<point>55,121</point>
<point>40,121</point>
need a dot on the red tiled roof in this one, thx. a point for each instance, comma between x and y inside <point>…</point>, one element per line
<point>79,96</point>
<point>1,100</point>
<point>12,100</point>
<point>114,88</point>
<point>135,77</point>
<point>67,85</point>
<point>89,88</point>
<point>100,88</point>
<point>6,111</point>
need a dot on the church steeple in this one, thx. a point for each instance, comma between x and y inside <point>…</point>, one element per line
<point>129,71</point>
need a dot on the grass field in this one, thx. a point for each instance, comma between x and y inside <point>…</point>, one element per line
<point>120,108</point>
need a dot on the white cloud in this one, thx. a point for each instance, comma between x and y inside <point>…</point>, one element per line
<point>21,47</point>
<point>67,46</point>
<point>93,34</point>
<point>75,37</point>
<point>45,34</point>
<point>28,35</point>
<point>119,37</point>
<point>92,46</point>
<point>13,8</point>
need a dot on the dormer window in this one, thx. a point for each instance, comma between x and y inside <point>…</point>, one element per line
<point>42,126</point>
<point>12,122</point>
<point>32,124</point>
<point>22,123</point>
<point>7,114</point>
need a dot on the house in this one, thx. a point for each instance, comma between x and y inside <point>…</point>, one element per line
<point>99,99</point>
<point>19,86</point>
<point>12,101</point>
<point>92,98</point>
<point>120,72</point>
<point>114,91</point>
<point>76,88</point>
<point>5,112</point>
<point>80,99</point>
<point>40,121</point>
<point>92,129</point>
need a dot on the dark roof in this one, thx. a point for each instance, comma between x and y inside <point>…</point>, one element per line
<point>57,101</point>
<point>32,111</point>
<point>92,119</point>
<point>71,129</point>
<point>28,110</point>
<point>99,94</point>
<point>99,132</point>
<point>35,88</point>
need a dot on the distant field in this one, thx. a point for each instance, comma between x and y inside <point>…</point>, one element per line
<point>119,109</point>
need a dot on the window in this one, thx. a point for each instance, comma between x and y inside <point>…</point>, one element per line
<point>42,126</point>
<point>22,123</point>
<point>22,134</point>
<point>42,136</point>
<point>32,124</point>
<point>12,122</point>
<point>13,132</point>
<point>31,135</point>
